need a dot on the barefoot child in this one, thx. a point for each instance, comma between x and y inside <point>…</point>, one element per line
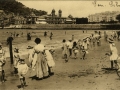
<point>22,70</point>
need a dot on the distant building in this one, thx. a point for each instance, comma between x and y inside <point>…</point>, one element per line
<point>31,19</point>
<point>16,20</point>
<point>103,17</point>
<point>58,19</point>
<point>41,20</point>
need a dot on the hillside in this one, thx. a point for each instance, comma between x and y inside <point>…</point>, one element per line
<point>18,8</point>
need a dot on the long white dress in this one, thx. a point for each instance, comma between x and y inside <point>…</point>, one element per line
<point>39,62</point>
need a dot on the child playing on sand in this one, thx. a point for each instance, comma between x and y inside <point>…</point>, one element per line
<point>2,63</point>
<point>22,70</point>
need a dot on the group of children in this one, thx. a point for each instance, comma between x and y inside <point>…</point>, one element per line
<point>19,66</point>
<point>73,47</point>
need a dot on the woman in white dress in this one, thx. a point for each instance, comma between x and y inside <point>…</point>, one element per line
<point>39,63</point>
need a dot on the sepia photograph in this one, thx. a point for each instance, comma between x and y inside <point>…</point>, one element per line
<point>59,45</point>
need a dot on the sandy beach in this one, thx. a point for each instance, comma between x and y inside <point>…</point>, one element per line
<point>76,74</point>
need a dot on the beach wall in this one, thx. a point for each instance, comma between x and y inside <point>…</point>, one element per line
<point>67,26</point>
<point>71,26</point>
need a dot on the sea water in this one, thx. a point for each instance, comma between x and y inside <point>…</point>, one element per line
<point>22,43</point>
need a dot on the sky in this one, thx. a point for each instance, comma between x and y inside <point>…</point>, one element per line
<point>76,8</point>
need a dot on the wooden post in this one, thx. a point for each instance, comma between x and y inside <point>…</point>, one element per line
<point>9,42</point>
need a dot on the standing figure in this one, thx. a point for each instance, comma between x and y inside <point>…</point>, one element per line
<point>98,41</point>
<point>79,43</point>
<point>39,64</point>
<point>75,49</point>
<point>50,61</point>
<point>45,33</point>
<point>2,63</point>
<point>88,41</point>
<point>113,53</point>
<point>105,35</point>
<point>16,59</point>
<point>22,71</point>
<point>28,36</point>
<point>51,34</point>
<point>93,39</point>
<point>65,50</point>
<point>84,48</point>
<point>70,45</point>
<point>83,31</point>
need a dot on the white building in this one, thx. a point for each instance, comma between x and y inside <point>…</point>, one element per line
<point>105,16</point>
<point>41,20</point>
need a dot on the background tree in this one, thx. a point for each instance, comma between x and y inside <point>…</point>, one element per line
<point>16,7</point>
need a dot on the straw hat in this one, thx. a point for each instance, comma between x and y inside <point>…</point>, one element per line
<point>110,40</point>
<point>29,47</point>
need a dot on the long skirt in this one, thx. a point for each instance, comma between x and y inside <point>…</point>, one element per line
<point>41,66</point>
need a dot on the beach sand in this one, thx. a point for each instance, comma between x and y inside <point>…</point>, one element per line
<point>76,74</point>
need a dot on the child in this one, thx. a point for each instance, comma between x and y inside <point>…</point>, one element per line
<point>65,50</point>
<point>113,54</point>
<point>50,61</point>
<point>22,70</point>
<point>70,45</point>
<point>85,48</point>
<point>2,63</point>
<point>16,59</point>
<point>75,49</point>
<point>30,55</point>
